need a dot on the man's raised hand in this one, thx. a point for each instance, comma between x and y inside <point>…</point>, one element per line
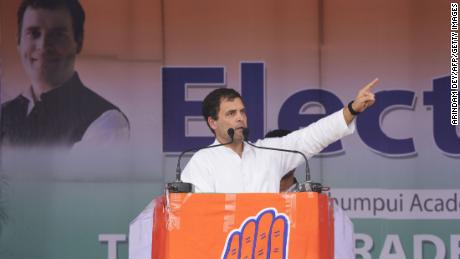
<point>363,100</point>
<point>365,97</point>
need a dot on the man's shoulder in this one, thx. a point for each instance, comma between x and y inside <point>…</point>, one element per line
<point>207,154</point>
<point>77,93</point>
<point>93,102</point>
<point>94,98</point>
<point>202,153</point>
<point>14,104</point>
<point>17,99</point>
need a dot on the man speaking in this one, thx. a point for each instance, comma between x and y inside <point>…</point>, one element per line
<point>241,168</point>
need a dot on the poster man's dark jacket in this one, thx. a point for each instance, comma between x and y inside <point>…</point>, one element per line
<point>61,117</point>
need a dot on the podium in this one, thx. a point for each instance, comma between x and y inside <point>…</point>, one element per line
<point>267,225</point>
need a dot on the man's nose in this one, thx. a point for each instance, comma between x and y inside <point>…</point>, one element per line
<point>46,42</point>
<point>240,116</point>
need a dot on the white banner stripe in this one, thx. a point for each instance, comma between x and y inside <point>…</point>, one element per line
<point>398,204</point>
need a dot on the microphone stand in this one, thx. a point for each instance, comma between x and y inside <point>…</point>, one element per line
<point>182,187</point>
<point>308,185</point>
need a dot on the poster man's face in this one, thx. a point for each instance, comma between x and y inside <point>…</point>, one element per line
<point>47,46</point>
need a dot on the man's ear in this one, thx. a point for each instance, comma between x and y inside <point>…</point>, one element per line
<point>212,123</point>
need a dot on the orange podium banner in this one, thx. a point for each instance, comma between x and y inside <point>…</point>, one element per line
<point>287,225</point>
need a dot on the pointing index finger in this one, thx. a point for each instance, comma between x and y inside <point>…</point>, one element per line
<point>369,86</point>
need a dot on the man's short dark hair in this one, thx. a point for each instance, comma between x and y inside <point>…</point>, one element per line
<point>212,102</point>
<point>73,6</point>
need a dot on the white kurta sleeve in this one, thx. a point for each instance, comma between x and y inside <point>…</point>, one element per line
<point>309,140</point>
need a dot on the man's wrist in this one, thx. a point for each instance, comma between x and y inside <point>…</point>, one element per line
<point>350,108</point>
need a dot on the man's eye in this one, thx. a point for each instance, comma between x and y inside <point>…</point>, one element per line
<point>34,34</point>
<point>59,34</point>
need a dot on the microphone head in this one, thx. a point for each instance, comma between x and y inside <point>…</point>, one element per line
<point>231,133</point>
<point>245,134</point>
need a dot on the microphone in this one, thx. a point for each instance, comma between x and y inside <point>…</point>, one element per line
<point>306,186</point>
<point>181,187</point>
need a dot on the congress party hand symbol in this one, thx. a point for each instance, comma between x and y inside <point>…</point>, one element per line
<point>264,236</point>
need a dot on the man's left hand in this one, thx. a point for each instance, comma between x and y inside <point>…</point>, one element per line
<point>365,97</point>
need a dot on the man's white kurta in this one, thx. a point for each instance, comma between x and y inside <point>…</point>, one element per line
<point>221,170</point>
